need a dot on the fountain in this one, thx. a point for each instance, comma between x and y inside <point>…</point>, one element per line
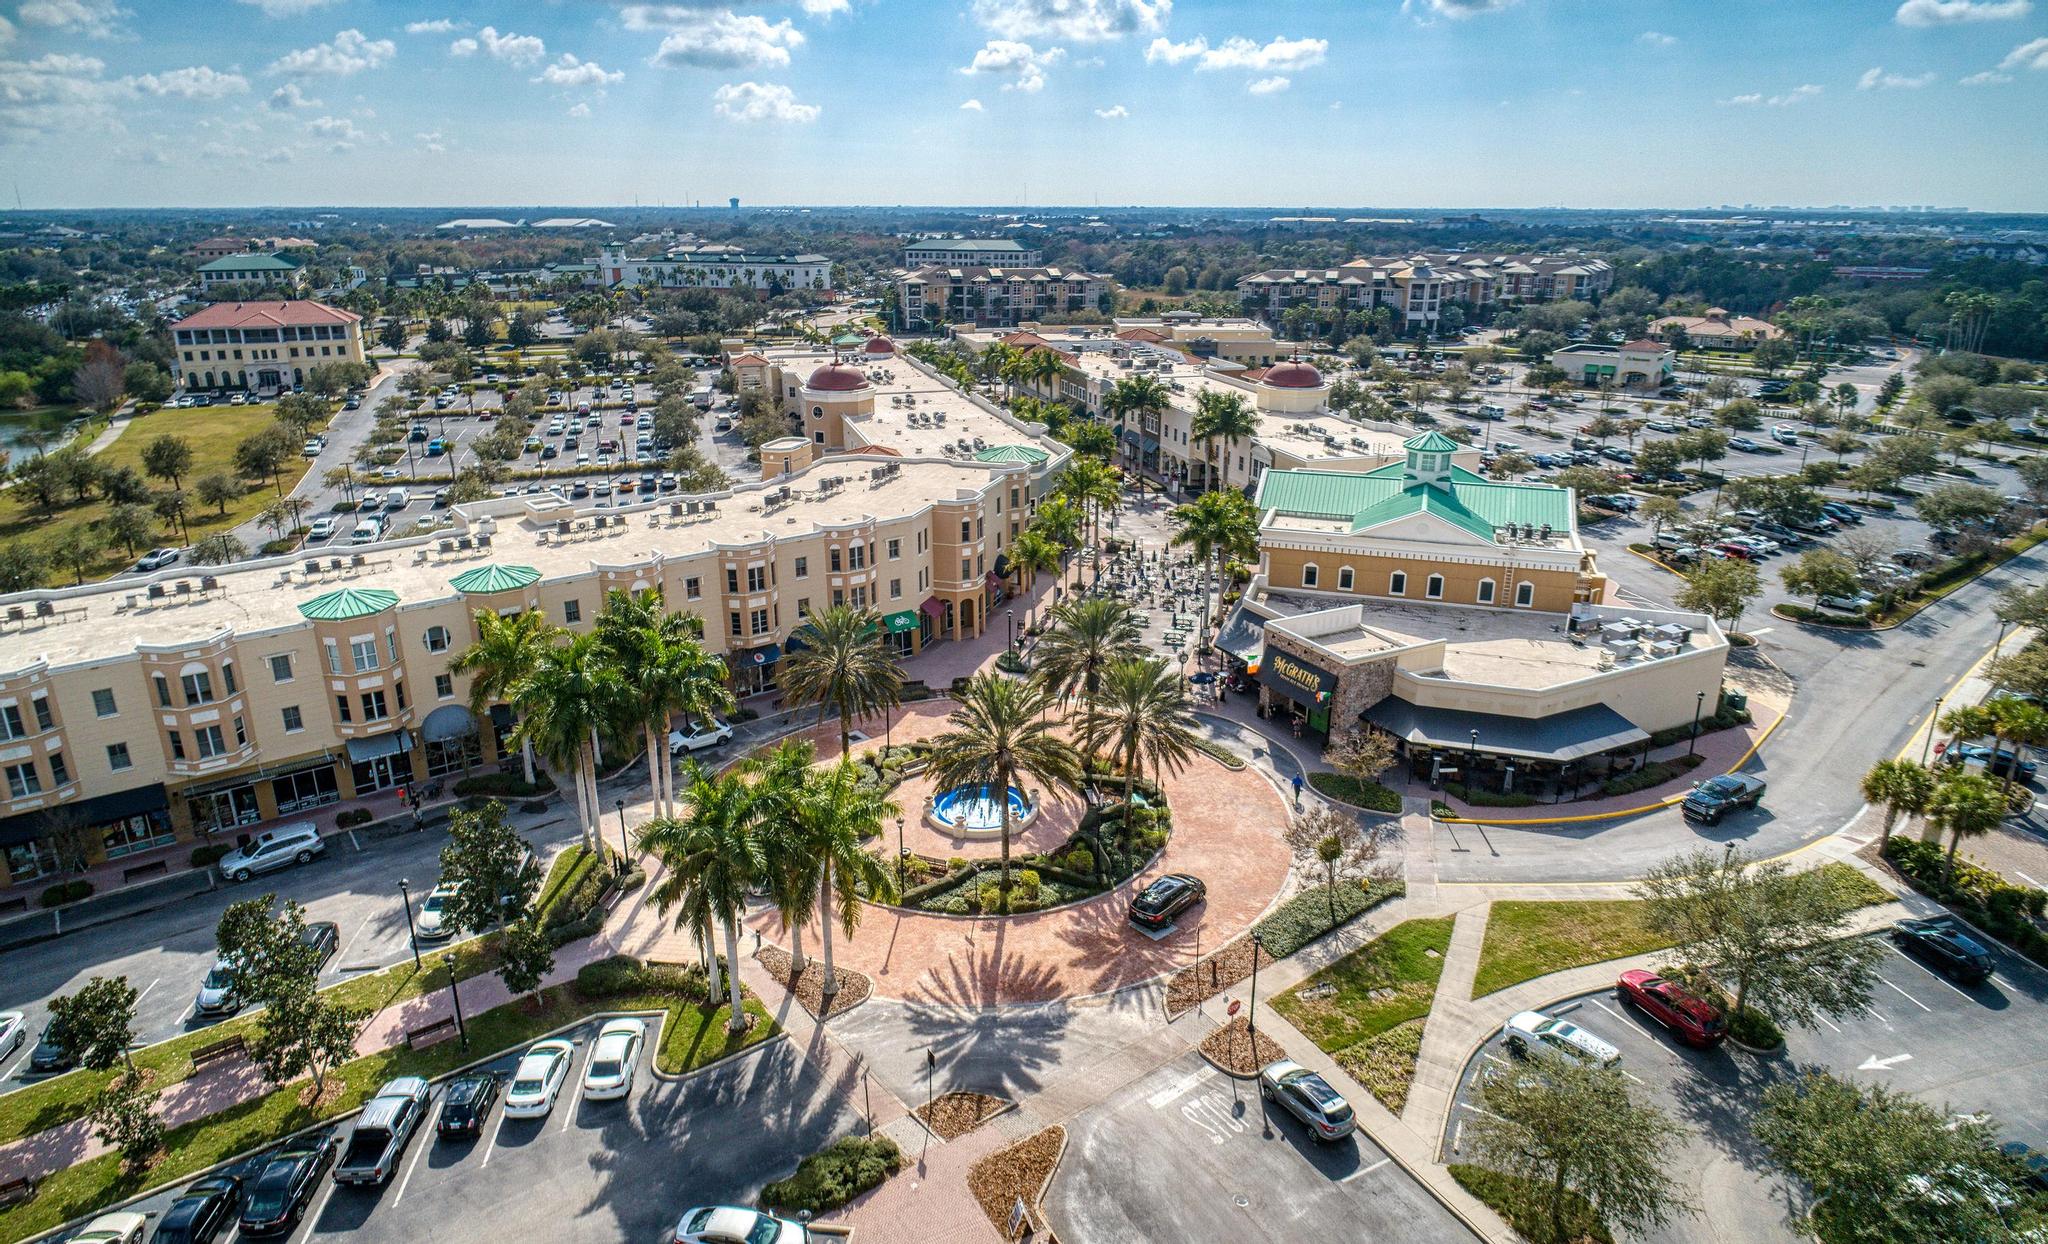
<point>974,811</point>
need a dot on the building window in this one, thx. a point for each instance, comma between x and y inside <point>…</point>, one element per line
<point>693,588</point>
<point>1486,591</point>
<point>281,667</point>
<point>391,644</point>
<point>211,743</point>
<point>444,686</point>
<point>163,690</point>
<point>736,628</point>
<point>1397,583</point>
<point>966,530</point>
<point>732,580</point>
<point>437,639</point>
<point>758,622</point>
<point>803,567</point>
<point>803,606</point>
<point>41,705</point>
<point>60,772</point>
<point>333,658</point>
<point>832,560</point>
<point>10,722</point>
<point>341,708</point>
<point>103,703</point>
<point>1433,587</point>
<point>241,734</point>
<point>364,654</point>
<point>198,688</point>
<point>398,689</point>
<point>177,746</point>
<point>373,706</point>
<point>1525,594</point>
<point>895,549</point>
<point>572,611</point>
<point>966,569</point>
<point>117,757</point>
<point>1344,578</point>
<point>895,589</point>
<point>23,782</point>
<point>293,723</point>
<point>1311,574</point>
<point>227,676</point>
<point>757,579</point>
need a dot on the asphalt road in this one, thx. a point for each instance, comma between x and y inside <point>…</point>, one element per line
<point>1966,1049</point>
<point>1186,1153</point>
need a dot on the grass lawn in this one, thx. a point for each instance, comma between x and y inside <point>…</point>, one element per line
<point>1365,1010</point>
<point>212,431</point>
<point>692,1036</point>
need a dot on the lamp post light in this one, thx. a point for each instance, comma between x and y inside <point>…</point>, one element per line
<point>1699,706</point>
<point>411,937</point>
<point>1251,1023</point>
<point>1932,721</point>
<point>902,855</point>
<point>624,847</point>
<point>1012,614</point>
<point>455,996</point>
<point>1472,777</point>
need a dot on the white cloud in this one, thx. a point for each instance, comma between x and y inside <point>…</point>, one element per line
<point>100,19</point>
<point>431,141</point>
<point>1784,99</point>
<point>827,8</point>
<point>435,26</point>
<point>197,82</point>
<point>1022,64</point>
<point>758,101</point>
<point>1115,112</point>
<point>567,71</point>
<point>1270,86</point>
<point>1954,12</point>
<point>1878,80</point>
<point>1081,21</point>
<point>508,47</point>
<point>1656,39</point>
<point>2031,55</point>
<point>288,8</point>
<point>55,93</point>
<point>1990,77</point>
<point>724,40</point>
<point>972,105</point>
<point>339,129</point>
<point>1279,54</point>
<point>280,155</point>
<point>1456,9</point>
<point>6,32</point>
<point>349,52</point>
<point>288,97</point>
<point>1166,50</point>
<point>580,110</point>
<point>1737,100</point>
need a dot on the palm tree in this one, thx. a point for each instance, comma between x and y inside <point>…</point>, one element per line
<point>1000,735</point>
<point>1134,395</point>
<point>1226,417</point>
<point>834,816</point>
<point>1964,805</point>
<point>710,857</point>
<point>506,650</point>
<point>1086,638</point>
<point>2021,723</point>
<point>666,671</point>
<point>1031,552</point>
<point>1216,526</point>
<point>1902,787</point>
<point>1044,368</point>
<point>1091,485</point>
<point>793,871</point>
<point>573,694</point>
<point>845,665</point>
<point>1059,521</point>
<point>1141,714</point>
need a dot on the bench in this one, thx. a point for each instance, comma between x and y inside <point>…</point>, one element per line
<point>17,1190</point>
<point>207,1055</point>
<point>439,1030</point>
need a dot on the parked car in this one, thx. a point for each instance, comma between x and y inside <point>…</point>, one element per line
<point>1762,546</point>
<point>51,1054</point>
<point>1741,552</point>
<point>1846,604</point>
<point>1160,903</point>
<point>1717,797</point>
<point>273,849</point>
<point>432,924</point>
<point>728,1224</point>
<point>1841,513</point>
<point>614,1058</point>
<point>1998,765</point>
<point>157,559</point>
<point>1784,435</point>
<point>1661,425</point>
<point>320,528</point>
<point>280,1191</point>
<point>1308,1097</point>
<point>538,1079</point>
<point>1532,1034</point>
<point>13,1032</point>
<point>466,1104</point>
<point>2030,1160</point>
<point>1744,444</point>
<point>698,736</point>
<point>1941,943</point>
<point>1616,453</point>
<point>202,1213</point>
<point>382,1131</point>
<point>1694,1019</point>
<point>126,1228</point>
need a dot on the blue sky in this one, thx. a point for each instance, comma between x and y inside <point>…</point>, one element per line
<point>1510,103</point>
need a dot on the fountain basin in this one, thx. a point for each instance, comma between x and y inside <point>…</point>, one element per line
<point>976,812</point>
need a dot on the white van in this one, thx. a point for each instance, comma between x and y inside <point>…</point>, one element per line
<point>296,843</point>
<point>369,531</point>
<point>397,499</point>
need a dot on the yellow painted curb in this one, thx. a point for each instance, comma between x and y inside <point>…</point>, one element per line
<point>1927,722</point>
<point>1664,566</point>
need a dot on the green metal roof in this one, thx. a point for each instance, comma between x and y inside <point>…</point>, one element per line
<point>1432,442</point>
<point>1421,498</point>
<point>349,602</point>
<point>1476,504</point>
<point>1012,453</point>
<point>494,578</point>
<point>250,262</point>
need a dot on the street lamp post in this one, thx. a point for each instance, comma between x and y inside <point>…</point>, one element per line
<point>1012,614</point>
<point>902,855</point>
<point>1928,742</point>
<point>455,996</point>
<point>1699,706</point>
<point>1251,1022</point>
<point>411,937</point>
<point>1472,777</point>
<point>624,847</point>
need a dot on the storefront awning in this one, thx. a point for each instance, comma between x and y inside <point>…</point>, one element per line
<point>1129,434</point>
<point>1243,636</point>
<point>285,769</point>
<point>1150,444</point>
<point>98,810</point>
<point>934,608</point>
<point>755,658</point>
<point>1002,565</point>
<point>1563,736</point>
<point>897,623</point>
<point>360,750</point>
<point>450,721</point>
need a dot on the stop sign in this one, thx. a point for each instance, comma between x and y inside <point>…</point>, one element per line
<point>1232,1008</point>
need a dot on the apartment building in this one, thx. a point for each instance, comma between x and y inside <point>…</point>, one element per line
<point>713,267</point>
<point>994,297</point>
<point>1415,288</point>
<point>251,269</point>
<point>262,346</point>
<point>972,252</point>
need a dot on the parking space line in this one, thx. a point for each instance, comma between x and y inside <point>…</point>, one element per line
<point>1908,997</point>
<point>492,1146</point>
<point>1636,1024</point>
<point>313,1213</point>
<point>349,945</point>
<point>1466,1105</point>
<point>1494,1058</point>
<point>26,1050</point>
<point>419,1148</point>
<point>1932,974</point>
<point>1365,1170</point>
<point>569,1115</point>
<point>146,988</point>
<point>1825,1020</point>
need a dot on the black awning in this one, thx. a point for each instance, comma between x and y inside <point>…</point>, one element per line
<point>1243,636</point>
<point>377,745</point>
<point>1562,736</point>
<point>450,721</point>
<point>1002,565</point>
<point>98,810</point>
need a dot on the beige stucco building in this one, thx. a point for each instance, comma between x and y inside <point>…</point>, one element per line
<point>262,346</point>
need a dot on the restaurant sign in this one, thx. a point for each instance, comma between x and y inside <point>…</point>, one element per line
<point>1296,678</point>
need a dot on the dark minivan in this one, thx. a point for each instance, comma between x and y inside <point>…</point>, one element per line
<point>202,1214</point>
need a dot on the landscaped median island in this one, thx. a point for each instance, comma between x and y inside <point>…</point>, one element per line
<point>694,1034</point>
<point>1366,1010</point>
<point>1020,1172</point>
<point>952,1115</point>
<point>809,985</point>
<point>1297,922</point>
<point>1521,1202</point>
<point>833,1176</point>
<point>1343,788</point>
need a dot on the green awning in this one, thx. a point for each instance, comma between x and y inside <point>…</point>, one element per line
<point>897,623</point>
<point>494,578</point>
<point>349,602</point>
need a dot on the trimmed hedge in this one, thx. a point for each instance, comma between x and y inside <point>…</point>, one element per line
<point>1490,798</point>
<point>623,975</point>
<point>1654,774</point>
<point>350,817</point>
<point>1754,1029</point>
<point>66,892</point>
<point>505,785</point>
<point>1307,916</point>
<point>1724,718</point>
<point>206,856</point>
<point>1520,1201</point>
<point>1347,789</point>
<point>831,1177</point>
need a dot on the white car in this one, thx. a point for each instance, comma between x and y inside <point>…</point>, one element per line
<point>726,1224</point>
<point>217,990</point>
<point>538,1079</point>
<point>157,559</point>
<point>608,1072</point>
<point>322,528</point>
<point>698,737</point>
<point>1532,1033</point>
<point>113,1229</point>
<point>432,924</point>
<point>13,1031</point>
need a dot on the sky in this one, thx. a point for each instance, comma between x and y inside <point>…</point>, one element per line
<point>1471,103</point>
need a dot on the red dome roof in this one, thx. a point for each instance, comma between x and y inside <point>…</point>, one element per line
<point>879,345</point>
<point>1293,374</point>
<point>837,378</point>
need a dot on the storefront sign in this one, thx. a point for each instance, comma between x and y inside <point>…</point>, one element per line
<point>1296,678</point>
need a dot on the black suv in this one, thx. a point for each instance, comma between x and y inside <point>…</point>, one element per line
<point>279,1193</point>
<point>1717,797</point>
<point>467,1104</point>
<point>1163,900</point>
<point>1944,947</point>
<point>203,1213</point>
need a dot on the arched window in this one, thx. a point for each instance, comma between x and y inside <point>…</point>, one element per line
<point>1525,594</point>
<point>1434,587</point>
<point>1486,591</point>
<point>1344,578</point>
<point>436,639</point>
<point>1397,583</point>
<point>1310,574</point>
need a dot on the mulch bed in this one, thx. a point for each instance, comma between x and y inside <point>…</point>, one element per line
<point>809,988</point>
<point>1022,1170</point>
<point>952,1115</point>
<point>1238,1051</point>
<point>1190,987</point>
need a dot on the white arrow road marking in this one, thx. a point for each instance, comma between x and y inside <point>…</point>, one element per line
<point>1874,1063</point>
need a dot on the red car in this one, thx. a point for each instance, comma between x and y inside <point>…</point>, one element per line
<point>1737,551</point>
<point>1696,1021</point>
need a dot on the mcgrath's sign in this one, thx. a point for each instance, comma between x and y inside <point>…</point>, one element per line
<point>1296,678</point>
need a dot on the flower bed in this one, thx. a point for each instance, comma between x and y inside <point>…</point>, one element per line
<point>1297,922</point>
<point>1019,1172</point>
<point>1238,1050</point>
<point>952,1115</point>
<point>1371,796</point>
<point>809,986</point>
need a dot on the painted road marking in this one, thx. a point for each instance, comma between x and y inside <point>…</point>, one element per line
<point>1465,1105</point>
<point>1173,1091</point>
<point>1874,1063</point>
<point>492,1147</point>
<point>1495,1058</point>
<point>146,988</point>
<point>351,943</point>
<point>1908,997</point>
<point>1225,1121</point>
<point>1365,1171</point>
<point>1931,973</point>
<point>1635,1024</point>
<point>419,1148</point>
<point>2029,880</point>
<point>26,1050</point>
<point>326,1194</point>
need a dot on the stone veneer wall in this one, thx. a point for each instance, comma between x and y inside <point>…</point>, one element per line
<point>1359,686</point>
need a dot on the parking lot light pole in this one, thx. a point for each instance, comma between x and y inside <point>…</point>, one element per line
<point>1251,1023</point>
<point>1928,742</point>
<point>1472,778</point>
<point>1699,706</point>
<point>412,938</point>
<point>625,847</point>
<point>902,856</point>
<point>455,996</point>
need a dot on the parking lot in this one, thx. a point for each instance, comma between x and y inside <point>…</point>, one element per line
<point>596,1172</point>
<point>1970,1049</point>
<point>1187,1153</point>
